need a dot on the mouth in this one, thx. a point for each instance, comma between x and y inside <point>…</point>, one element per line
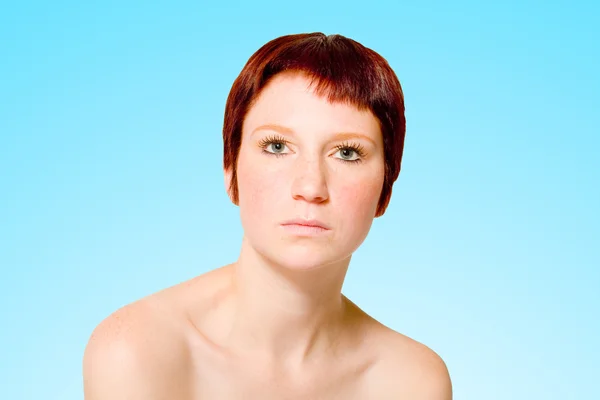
<point>305,227</point>
<point>306,223</point>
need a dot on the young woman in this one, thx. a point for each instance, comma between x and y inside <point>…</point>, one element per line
<point>313,140</point>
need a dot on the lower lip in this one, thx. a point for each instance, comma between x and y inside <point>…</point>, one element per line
<point>304,230</point>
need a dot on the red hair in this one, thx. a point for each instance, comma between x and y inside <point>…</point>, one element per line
<point>344,71</point>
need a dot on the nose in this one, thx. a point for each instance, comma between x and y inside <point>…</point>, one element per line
<point>310,182</point>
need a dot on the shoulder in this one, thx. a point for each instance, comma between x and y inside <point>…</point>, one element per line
<point>409,369</point>
<point>136,353</point>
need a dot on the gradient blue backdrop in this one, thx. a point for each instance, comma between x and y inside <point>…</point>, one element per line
<point>112,188</point>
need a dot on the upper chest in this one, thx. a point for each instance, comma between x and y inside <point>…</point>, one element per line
<point>249,383</point>
<point>217,376</point>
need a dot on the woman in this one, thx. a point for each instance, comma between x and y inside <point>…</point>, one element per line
<point>313,135</point>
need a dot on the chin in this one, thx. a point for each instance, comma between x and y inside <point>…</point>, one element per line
<point>300,264</point>
<point>298,258</point>
<point>297,254</point>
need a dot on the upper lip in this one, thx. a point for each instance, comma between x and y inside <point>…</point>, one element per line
<point>306,222</point>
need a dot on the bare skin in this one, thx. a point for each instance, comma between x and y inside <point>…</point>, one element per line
<point>167,346</point>
<point>274,324</point>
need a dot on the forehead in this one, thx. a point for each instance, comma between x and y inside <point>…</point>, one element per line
<point>289,100</point>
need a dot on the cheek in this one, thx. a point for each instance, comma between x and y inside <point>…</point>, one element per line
<point>359,198</point>
<point>355,210</point>
<point>260,190</point>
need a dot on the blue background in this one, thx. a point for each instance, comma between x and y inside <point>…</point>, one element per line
<point>112,187</point>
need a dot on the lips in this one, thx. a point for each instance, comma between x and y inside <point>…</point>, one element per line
<point>306,222</point>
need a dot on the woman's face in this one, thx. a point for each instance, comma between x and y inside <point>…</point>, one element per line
<point>302,157</point>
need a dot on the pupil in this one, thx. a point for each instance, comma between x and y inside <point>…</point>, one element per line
<point>277,146</point>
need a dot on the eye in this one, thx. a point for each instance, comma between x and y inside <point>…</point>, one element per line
<point>277,147</point>
<point>350,152</point>
<point>347,153</point>
<point>273,145</point>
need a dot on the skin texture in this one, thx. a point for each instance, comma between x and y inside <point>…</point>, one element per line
<point>274,324</point>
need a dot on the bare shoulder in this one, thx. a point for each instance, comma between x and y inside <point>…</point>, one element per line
<point>407,368</point>
<point>137,353</point>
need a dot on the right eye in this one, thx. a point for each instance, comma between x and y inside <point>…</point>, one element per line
<point>273,145</point>
<point>276,147</point>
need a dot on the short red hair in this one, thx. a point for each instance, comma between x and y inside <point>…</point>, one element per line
<point>344,71</point>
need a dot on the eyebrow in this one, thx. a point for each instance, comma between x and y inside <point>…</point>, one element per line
<point>288,131</point>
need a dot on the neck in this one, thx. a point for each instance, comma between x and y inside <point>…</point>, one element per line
<point>286,315</point>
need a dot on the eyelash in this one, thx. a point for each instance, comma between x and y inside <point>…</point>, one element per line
<point>357,148</point>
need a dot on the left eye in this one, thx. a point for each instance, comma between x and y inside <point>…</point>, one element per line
<point>346,154</point>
